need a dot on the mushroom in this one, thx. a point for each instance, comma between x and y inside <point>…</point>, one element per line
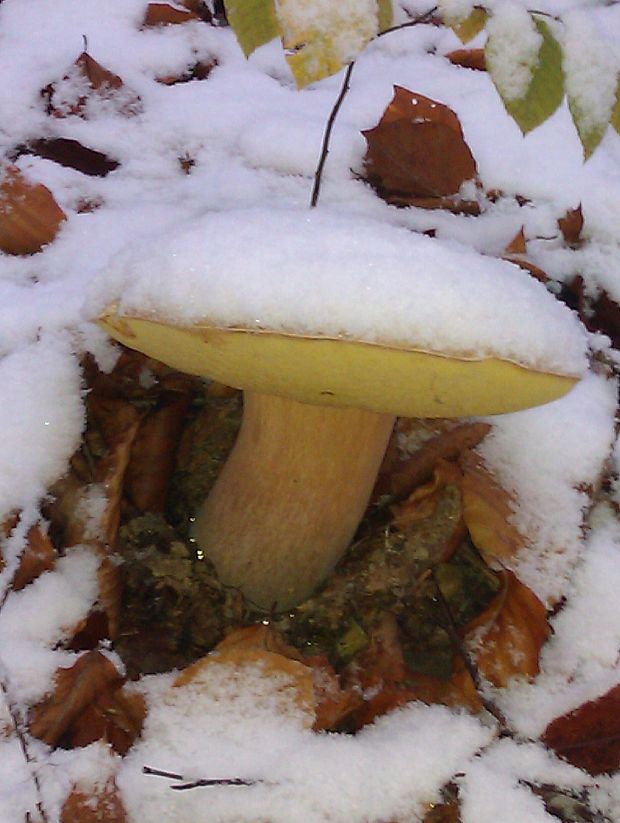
<point>321,398</point>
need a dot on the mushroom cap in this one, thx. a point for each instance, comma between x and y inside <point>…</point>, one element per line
<point>333,309</point>
<point>342,372</point>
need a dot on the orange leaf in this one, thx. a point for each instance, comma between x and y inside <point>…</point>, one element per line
<point>163,14</point>
<point>29,216</point>
<point>589,737</point>
<point>468,59</point>
<point>488,510</point>
<point>260,646</point>
<point>417,149</point>
<point>517,245</point>
<point>75,688</point>
<point>510,633</point>
<point>100,805</point>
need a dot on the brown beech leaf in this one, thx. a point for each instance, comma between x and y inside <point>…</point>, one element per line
<point>447,810</point>
<point>165,14</point>
<point>509,635</point>
<point>468,59</point>
<point>447,444</point>
<point>517,245</point>
<point>72,154</point>
<point>39,556</point>
<point>114,716</point>
<point>423,500</point>
<point>198,71</point>
<point>102,804</point>
<point>488,510</point>
<point>153,453</point>
<point>29,216</point>
<point>601,313</point>
<point>417,149</point>
<point>260,645</point>
<point>515,252</point>
<point>88,79</point>
<point>589,736</point>
<point>75,689</point>
<point>571,226</point>
<point>333,703</point>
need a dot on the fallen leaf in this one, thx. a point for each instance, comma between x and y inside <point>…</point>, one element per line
<point>571,226</point>
<point>260,646</point>
<point>30,218</point>
<point>488,510</point>
<point>39,556</point>
<point>447,810</point>
<point>197,71</point>
<point>153,453</point>
<point>506,639</point>
<point>101,804</point>
<point>88,704</point>
<point>599,313</point>
<point>333,703</point>
<point>517,245</point>
<point>468,59</point>
<point>72,154</point>
<point>589,736</point>
<point>164,14</point>
<point>446,445</point>
<point>417,149</point>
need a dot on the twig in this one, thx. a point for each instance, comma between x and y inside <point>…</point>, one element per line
<point>421,18</point>
<point>201,782</point>
<point>327,136</point>
<point>452,630</point>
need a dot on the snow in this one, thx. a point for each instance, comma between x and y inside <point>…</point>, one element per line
<point>514,43</point>
<point>224,236</point>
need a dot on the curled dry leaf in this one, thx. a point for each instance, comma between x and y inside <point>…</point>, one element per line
<point>417,149</point>
<point>87,81</point>
<point>508,636</point>
<point>589,736</point>
<point>468,59</point>
<point>102,804</point>
<point>488,510</point>
<point>29,216</point>
<point>87,704</point>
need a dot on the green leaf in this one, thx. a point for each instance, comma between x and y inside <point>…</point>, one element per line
<point>615,114</point>
<point>467,28</point>
<point>253,21</point>
<point>386,14</point>
<point>546,88</point>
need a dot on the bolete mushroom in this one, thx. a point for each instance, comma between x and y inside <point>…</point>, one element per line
<point>273,303</point>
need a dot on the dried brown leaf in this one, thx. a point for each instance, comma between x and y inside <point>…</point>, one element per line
<point>102,804</point>
<point>468,59</point>
<point>571,226</point>
<point>417,149</point>
<point>589,736</point>
<point>39,556</point>
<point>164,14</point>
<point>72,154</point>
<point>509,635</point>
<point>488,510</point>
<point>518,244</point>
<point>153,453</point>
<point>75,689</point>
<point>29,216</point>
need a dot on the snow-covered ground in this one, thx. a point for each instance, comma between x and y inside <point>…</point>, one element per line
<point>254,142</point>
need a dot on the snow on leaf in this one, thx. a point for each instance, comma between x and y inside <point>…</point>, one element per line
<point>164,14</point>
<point>254,22</point>
<point>589,736</point>
<point>320,38</point>
<point>526,67</point>
<point>468,59</point>
<point>39,556</point>
<point>417,149</point>
<point>385,14</point>
<point>508,636</point>
<point>102,804</point>
<point>30,217</point>
<point>615,114</point>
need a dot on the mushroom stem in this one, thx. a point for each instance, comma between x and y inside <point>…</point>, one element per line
<point>290,497</point>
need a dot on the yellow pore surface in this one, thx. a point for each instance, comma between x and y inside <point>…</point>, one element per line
<point>342,372</point>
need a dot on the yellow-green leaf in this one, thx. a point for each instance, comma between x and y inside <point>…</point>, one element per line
<point>590,133</point>
<point>545,91</point>
<point>386,14</point>
<point>320,39</point>
<point>615,114</point>
<point>254,22</point>
<point>467,28</point>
